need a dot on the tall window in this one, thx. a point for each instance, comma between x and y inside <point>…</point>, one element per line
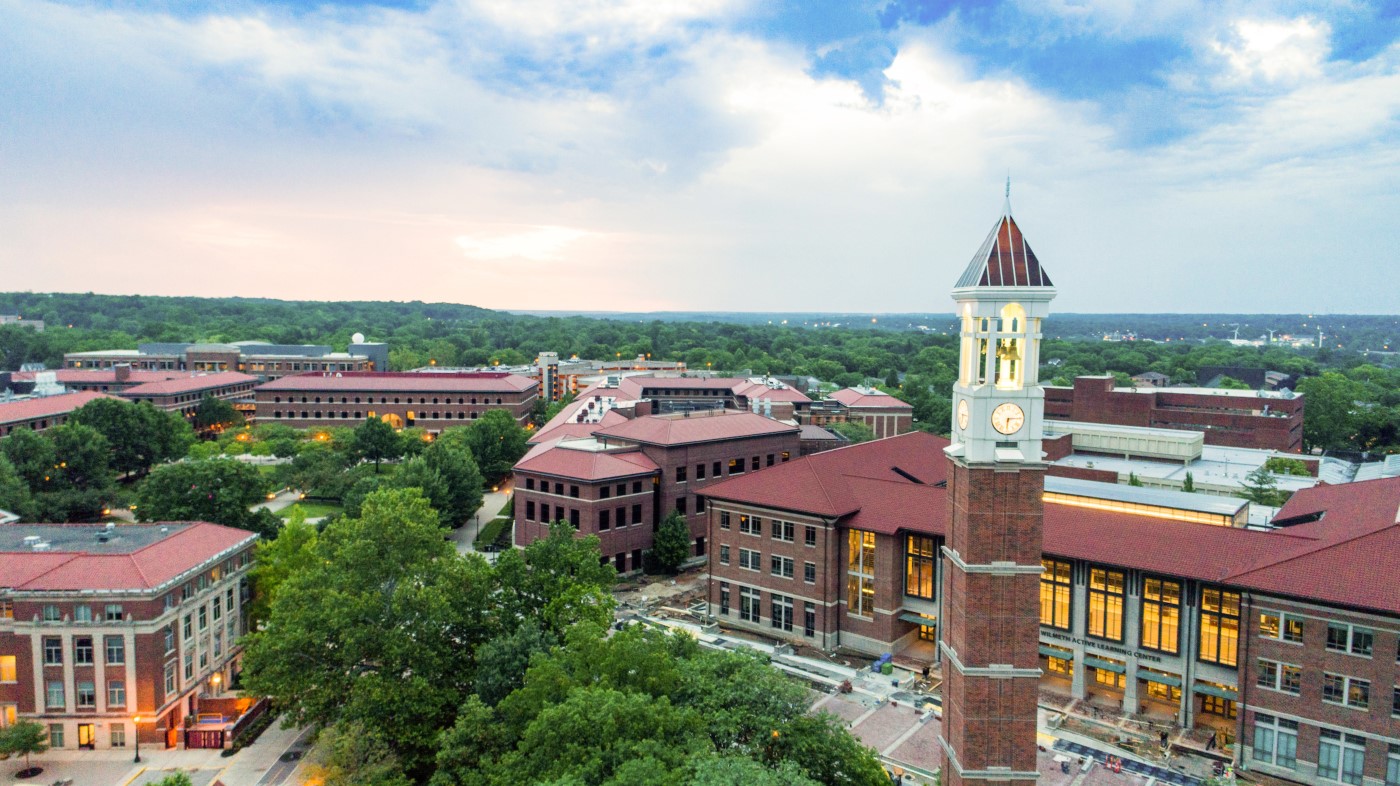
<point>82,650</point>
<point>724,598</point>
<point>782,612</point>
<point>860,574</point>
<point>1107,589</point>
<point>1220,626</point>
<point>1341,757</point>
<point>8,671</point>
<point>54,694</point>
<point>1275,740</point>
<point>1055,593</point>
<point>116,693</point>
<point>53,651</point>
<point>1161,614</point>
<point>748,604</point>
<point>919,562</point>
<point>1348,638</point>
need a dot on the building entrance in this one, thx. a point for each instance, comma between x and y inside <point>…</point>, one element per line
<point>87,737</point>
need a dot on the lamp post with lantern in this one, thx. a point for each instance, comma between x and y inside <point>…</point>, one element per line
<point>136,731</point>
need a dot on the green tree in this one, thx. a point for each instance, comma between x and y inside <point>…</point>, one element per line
<point>671,546</point>
<point>26,738</point>
<point>293,551</point>
<point>853,431</point>
<point>502,661</point>
<point>175,779</point>
<point>215,413</point>
<point>1331,407</point>
<point>217,490</point>
<point>450,456</point>
<point>139,435</point>
<point>1189,483</point>
<point>375,440</point>
<point>350,754</point>
<point>14,492</point>
<point>734,770</point>
<point>497,442</point>
<point>558,581</point>
<point>1261,488</point>
<point>1286,466</point>
<point>1230,383</point>
<point>1133,479</point>
<point>380,629</point>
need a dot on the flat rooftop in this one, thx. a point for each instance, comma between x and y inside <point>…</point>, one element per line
<point>83,538</point>
<point>1217,465</point>
<point>1140,495</point>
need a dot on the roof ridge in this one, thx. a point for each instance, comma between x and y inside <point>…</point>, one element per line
<point>1308,552</point>
<point>71,555</point>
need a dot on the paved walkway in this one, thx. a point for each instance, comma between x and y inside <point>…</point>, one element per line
<point>257,765</point>
<point>465,536</point>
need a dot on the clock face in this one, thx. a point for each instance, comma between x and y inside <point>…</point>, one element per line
<point>962,414</point>
<point>1008,418</point>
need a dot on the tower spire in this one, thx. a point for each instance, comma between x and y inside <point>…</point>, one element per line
<point>1006,206</point>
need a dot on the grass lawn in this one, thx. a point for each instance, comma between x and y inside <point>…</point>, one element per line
<point>494,531</point>
<point>267,469</point>
<point>314,510</point>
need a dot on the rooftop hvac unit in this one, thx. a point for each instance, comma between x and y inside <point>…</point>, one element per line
<point>40,546</point>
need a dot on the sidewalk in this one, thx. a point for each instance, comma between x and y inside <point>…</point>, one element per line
<point>115,767</point>
<point>464,536</point>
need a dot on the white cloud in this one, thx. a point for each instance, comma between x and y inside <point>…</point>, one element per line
<point>1275,50</point>
<point>536,244</point>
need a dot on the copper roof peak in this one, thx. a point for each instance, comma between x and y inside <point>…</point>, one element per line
<point>1005,259</point>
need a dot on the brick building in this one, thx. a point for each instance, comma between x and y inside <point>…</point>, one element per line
<point>183,394</point>
<point>628,473</point>
<point>259,358</point>
<point>113,379</point>
<point>41,412</point>
<point>430,401</point>
<point>101,624</point>
<point>1156,614</point>
<point>1233,418</point>
<point>886,415</point>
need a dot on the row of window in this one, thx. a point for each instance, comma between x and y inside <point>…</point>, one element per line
<point>1341,757</point>
<point>606,519</point>
<point>278,414</point>
<point>117,731</point>
<point>112,612</point>
<point>784,531</point>
<point>604,492</point>
<point>85,694</point>
<point>1161,611</point>
<point>382,400</point>
<point>736,466</point>
<point>780,566</point>
<point>115,647</point>
<point>781,609</point>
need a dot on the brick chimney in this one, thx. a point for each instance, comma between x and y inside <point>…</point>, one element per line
<point>122,372</point>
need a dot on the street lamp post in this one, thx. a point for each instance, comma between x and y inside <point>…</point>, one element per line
<point>136,731</point>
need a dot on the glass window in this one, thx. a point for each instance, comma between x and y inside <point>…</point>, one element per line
<point>919,561</point>
<point>723,554</point>
<point>1107,590</point>
<point>87,694</point>
<point>53,651</point>
<point>1161,614</point>
<point>724,598</point>
<point>1275,741</point>
<point>1348,638</point>
<point>8,670</point>
<point>52,614</point>
<point>810,537</point>
<point>55,735</point>
<point>1055,593</point>
<point>1392,766</point>
<point>82,651</point>
<point>781,566</point>
<point>782,612</point>
<point>809,572</point>
<point>860,573</point>
<point>114,612</point>
<point>82,614</point>
<point>53,697</point>
<point>116,693</point>
<point>1220,626</point>
<point>724,519</point>
<point>748,604</point>
<point>118,735</point>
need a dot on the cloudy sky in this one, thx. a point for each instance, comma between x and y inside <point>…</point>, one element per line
<point>1165,155</point>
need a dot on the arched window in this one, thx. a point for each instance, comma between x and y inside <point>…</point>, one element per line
<point>1011,348</point>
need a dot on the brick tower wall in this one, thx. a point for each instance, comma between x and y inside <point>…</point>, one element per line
<point>989,722</point>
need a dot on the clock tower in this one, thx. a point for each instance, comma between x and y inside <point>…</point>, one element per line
<point>996,479</point>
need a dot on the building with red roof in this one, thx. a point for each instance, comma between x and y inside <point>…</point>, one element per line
<point>183,393</point>
<point>886,415</point>
<point>1285,640</point>
<point>613,469</point>
<point>100,624</point>
<point>433,401</point>
<point>41,412</point>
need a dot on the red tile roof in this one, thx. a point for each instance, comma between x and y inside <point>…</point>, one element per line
<point>1347,557</point>
<point>556,458</point>
<point>45,406</point>
<point>680,429</point>
<point>189,384</point>
<point>101,376</point>
<point>856,399</point>
<point>187,546</point>
<point>404,382</point>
